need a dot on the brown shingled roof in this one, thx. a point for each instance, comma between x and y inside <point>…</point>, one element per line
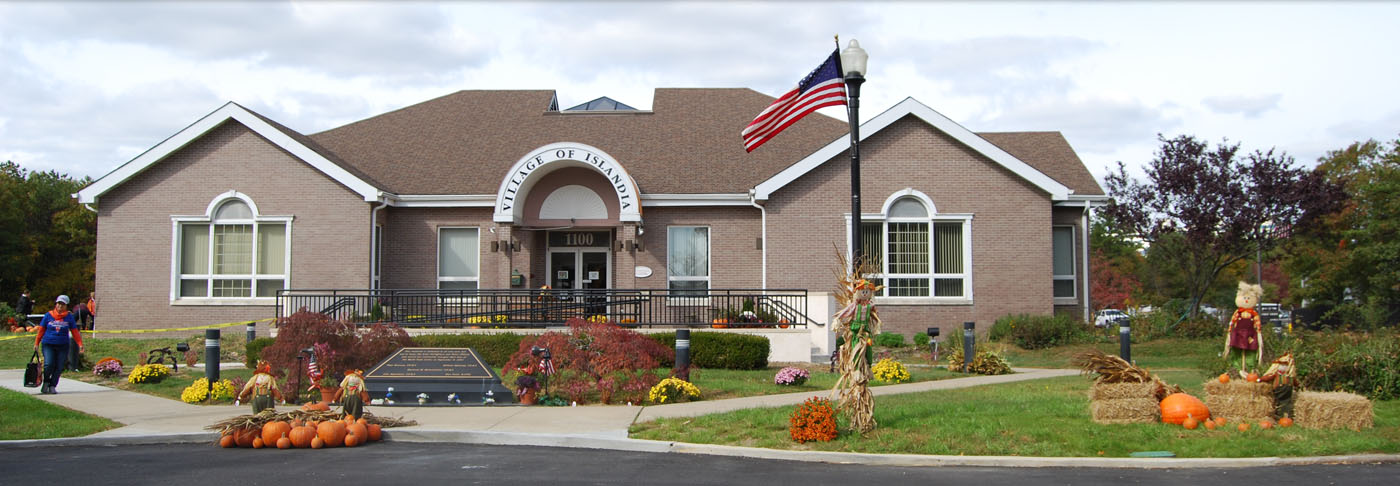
<point>463,142</point>
<point>1049,153</point>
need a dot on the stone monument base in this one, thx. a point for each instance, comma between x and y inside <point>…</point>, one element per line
<point>438,373</point>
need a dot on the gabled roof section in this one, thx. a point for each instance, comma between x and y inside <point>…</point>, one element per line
<point>285,138</point>
<point>911,107</point>
<point>1050,153</point>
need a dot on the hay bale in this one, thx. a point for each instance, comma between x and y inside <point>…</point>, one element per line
<point>1115,391</point>
<point>1241,407</point>
<point>1125,411</point>
<point>1239,388</point>
<point>1332,410</point>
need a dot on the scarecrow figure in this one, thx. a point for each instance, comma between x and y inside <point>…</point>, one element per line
<point>856,323</point>
<point>263,388</point>
<point>1245,332</point>
<point>1282,374</point>
<point>352,394</point>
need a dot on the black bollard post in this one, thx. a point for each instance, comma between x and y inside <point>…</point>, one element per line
<point>1125,342</point>
<point>933,343</point>
<point>969,341</point>
<point>211,356</point>
<point>252,330</point>
<point>683,354</point>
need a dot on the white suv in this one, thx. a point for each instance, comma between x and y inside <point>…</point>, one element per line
<point>1110,317</point>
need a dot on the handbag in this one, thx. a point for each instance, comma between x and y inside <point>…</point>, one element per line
<point>31,371</point>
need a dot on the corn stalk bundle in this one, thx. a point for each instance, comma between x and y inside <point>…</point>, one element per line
<point>1113,369</point>
<point>257,420</point>
<point>855,399</point>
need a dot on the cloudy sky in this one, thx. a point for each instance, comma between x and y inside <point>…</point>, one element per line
<point>84,87</point>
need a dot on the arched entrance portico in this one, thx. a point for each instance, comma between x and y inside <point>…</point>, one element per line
<point>533,167</point>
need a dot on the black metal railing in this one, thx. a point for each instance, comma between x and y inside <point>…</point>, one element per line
<point>547,307</point>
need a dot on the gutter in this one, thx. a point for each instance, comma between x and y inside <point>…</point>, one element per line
<point>763,225</point>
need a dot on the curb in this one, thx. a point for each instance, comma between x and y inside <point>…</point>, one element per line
<point>653,446</point>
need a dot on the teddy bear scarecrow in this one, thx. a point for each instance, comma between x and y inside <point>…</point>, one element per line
<point>352,394</point>
<point>263,389</point>
<point>1245,333</point>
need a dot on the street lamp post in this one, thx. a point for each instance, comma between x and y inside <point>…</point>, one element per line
<point>853,63</point>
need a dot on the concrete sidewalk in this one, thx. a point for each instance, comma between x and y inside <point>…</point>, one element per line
<point>148,419</point>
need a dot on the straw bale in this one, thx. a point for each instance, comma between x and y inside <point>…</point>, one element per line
<point>1332,410</point>
<point>1239,387</point>
<point>1125,411</point>
<point>1113,391</point>
<point>1240,407</point>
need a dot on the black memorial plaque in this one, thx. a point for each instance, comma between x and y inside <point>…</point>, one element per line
<point>437,372</point>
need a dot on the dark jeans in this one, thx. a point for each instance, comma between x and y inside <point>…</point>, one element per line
<point>55,358</point>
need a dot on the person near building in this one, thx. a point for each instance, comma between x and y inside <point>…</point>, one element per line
<point>25,306</point>
<point>55,330</point>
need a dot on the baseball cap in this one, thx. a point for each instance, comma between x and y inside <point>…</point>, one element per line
<point>62,298</point>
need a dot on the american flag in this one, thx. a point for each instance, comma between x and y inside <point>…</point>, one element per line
<point>313,370</point>
<point>547,367</point>
<point>822,88</point>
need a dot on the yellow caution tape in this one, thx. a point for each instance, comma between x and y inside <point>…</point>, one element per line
<point>141,331</point>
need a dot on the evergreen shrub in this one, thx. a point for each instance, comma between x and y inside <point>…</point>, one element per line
<point>717,350</point>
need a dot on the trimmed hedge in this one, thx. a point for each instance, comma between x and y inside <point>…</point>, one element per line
<point>715,350</point>
<point>1039,331</point>
<point>889,340</point>
<point>495,349</point>
<point>254,350</point>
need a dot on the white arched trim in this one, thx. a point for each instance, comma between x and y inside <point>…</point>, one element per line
<point>219,200</point>
<point>908,192</point>
<point>510,197</point>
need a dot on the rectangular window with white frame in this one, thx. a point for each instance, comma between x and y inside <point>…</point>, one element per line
<point>918,257</point>
<point>459,257</point>
<point>688,260</point>
<point>1062,241</point>
<point>224,260</point>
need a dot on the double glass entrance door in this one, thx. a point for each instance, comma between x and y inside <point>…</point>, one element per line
<point>577,268</point>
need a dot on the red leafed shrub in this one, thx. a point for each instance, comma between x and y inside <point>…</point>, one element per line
<point>813,420</point>
<point>351,348</point>
<point>595,360</point>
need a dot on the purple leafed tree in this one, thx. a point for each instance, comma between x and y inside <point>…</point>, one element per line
<point>1218,201</point>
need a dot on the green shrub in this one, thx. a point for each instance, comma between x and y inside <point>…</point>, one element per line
<point>921,340</point>
<point>495,349</point>
<point>889,340</point>
<point>254,350</point>
<point>1358,362</point>
<point>1037,332</point>
<point>716,350</point>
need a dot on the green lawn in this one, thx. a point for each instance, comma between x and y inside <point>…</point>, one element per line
<point>1036,418</point>
<point>26,417</point>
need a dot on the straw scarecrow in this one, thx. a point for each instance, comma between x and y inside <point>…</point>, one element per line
<point>263,389</point>
<point>1245,333</point>
<point>352,394</point>
<point>856,323</point>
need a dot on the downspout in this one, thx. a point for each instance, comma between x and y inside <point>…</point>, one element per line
<point>763,225</point>
<point>89,207</point>
<point>373,250</point>
<point>1088,212</point>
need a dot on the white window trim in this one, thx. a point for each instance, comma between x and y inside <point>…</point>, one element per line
<point>709,268</point>
<point>933,218</point>
<point>1074,266</point>
<point>438,258</point>
<point>208,219</point>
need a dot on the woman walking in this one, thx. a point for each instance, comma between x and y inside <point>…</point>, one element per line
<point>54,331</point>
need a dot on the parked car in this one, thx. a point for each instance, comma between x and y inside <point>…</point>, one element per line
<point>1109,318</point>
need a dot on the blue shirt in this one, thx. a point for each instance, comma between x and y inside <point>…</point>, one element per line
<point>56,331</point>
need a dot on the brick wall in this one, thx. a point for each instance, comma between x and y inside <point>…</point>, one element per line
<point>1011,265</point>
<point>330,231</point>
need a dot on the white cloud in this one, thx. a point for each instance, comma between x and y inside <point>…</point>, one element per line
<point>1248,106</point>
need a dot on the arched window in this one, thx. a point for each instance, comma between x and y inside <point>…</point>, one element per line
<point>231,252</point>
<point>917,252</point>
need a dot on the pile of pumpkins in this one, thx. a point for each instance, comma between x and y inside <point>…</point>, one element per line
<point>347,432</point>
<point>1189,412</point>
<point>18,328</point>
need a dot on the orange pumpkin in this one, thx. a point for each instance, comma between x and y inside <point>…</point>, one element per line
<point>1224,377</point>
<point>1190,422</point>
<point>1266,424</point>
<point>1285,422</point>
<point>376,433</point>
<point>1244,427</point>
<point>258,443</point>
<point>244,436</point>
<point>1210,424</point>
<point>226,441</point>
<point>362,421</point>
<point>273,430</point>
<point>1252,378</point>
<point>1178,406</point>
<point>352,440</point>
<point>332,433</point>
<point>301,436</point>
<point>317,443</point>
<point>315,407</point>
<point>284,443</point>
<point>359,430</point>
